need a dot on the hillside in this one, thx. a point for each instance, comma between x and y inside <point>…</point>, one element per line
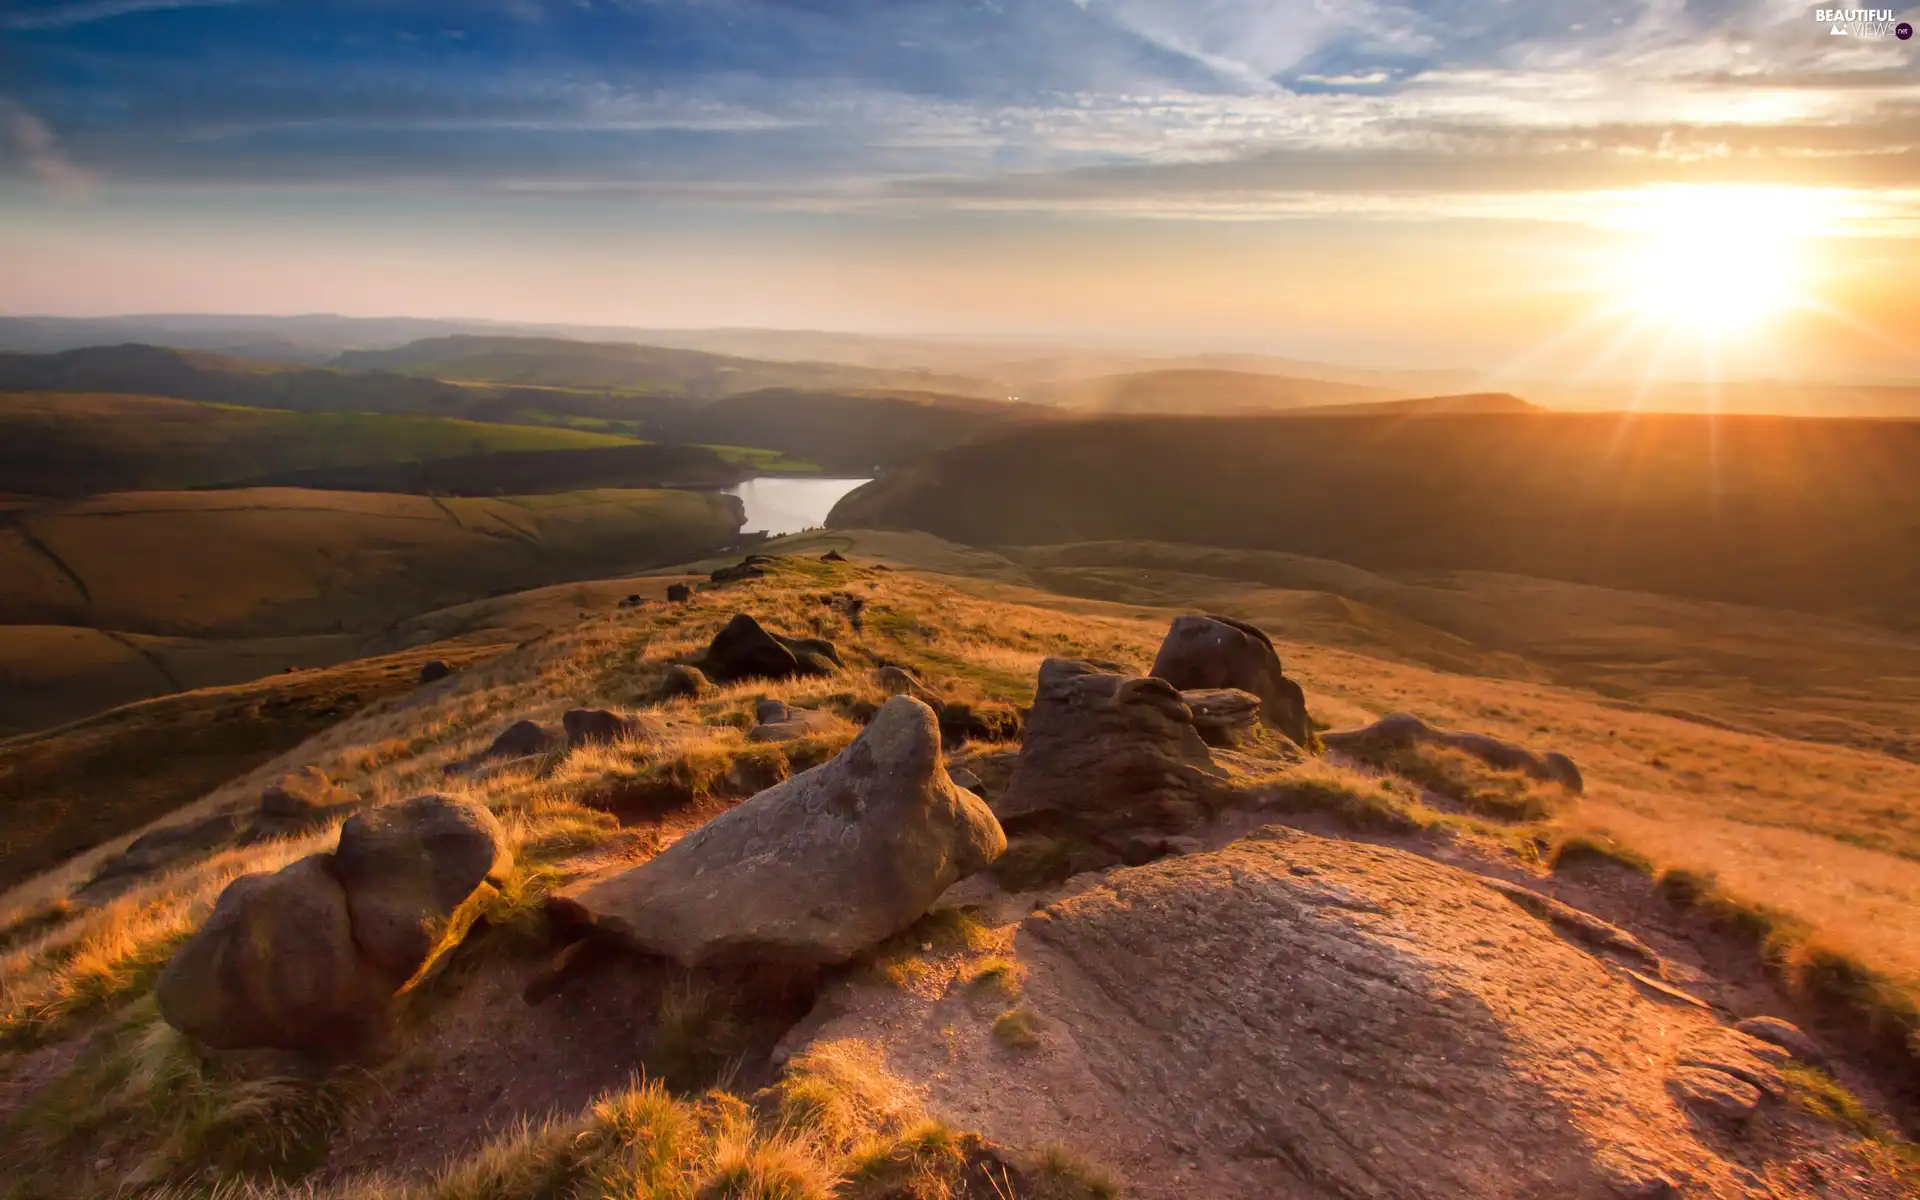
<point>79,444</point>
<point>1199,391</point>
<point>626,368</point>
<point>1484,963</point>
<point>1424,406</point>
<point>846,432</point>
<point>1816,516</point>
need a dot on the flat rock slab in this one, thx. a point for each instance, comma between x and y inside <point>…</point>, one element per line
<point>813,870</point>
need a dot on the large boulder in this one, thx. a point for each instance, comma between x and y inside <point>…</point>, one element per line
<point>523,739</point>
<point>813,870</point>
<point>1220,652</point>
<point>406,867</point>
<point>300,801</point>
<point>1105,752</point>
<point>1404,730</point>
<point>744,650</point>
<point>682,680</point>
<point>276,965</point>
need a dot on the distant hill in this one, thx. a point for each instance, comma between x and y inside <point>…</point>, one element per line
<point>1820,516</point>
<point>1425,406</point>
<point>77,444</point>
<point>624,367</point>
<point>1199,392</point>
<point>846,431</point>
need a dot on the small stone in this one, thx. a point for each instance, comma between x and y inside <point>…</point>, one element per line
<point>1713,1093</point>
<point>434,670</point>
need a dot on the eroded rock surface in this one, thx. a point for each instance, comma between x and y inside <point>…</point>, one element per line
<point>1204,652</point>
<point>1404,729</point>
<point>406,867</point>
<point>813,870</point>
<point>297,803</point>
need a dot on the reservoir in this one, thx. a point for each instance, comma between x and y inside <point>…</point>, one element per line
<point>778,504</point>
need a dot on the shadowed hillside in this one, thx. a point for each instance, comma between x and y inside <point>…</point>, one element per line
<point>1820,516</point>
<point>78,444</point>
<point>1200,392</point>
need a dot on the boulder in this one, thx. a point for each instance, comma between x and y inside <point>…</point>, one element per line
<point>407,866</point>
<point>1105,753</point>
<point>1713,1094</point>
<point>297,803</point>
<point>744,650</point>
<point>276,965</point>
<point>898,681</point>
<point>1207,652</point>
<point>780,723</point>
<point>434,670</point>
<point>1786,1035</point>
<point>1223,716</point>
<point>753,566</point>
<point>833,556</point>
<point>813,870</point>
<point>523,739</point>
<point>679,593</point>
<point>160,848</point>
<point>603,726</point>
<point>1404,730</point>
<point>682,680</point>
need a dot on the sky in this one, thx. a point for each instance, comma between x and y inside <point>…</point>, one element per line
<point>1587,187</point>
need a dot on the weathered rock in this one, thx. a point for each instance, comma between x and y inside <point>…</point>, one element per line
<point>813,870</point>
<point>779,722</point>
<point>161,848</point>
<point>679,593</point>
<point>898,681</point>
<point>1581,926</point>
<point>407,866</point>
<point>1104,753</point>
<point>434,670</point>
<point>1786,1035</point>
<point>1223,716</point>
<point>833,556</point>
<point>1398,730</point>
<point>682,680</point>
<point>276,964</point>
<point>299,802</point>
<point>1714,1094</point>
<point>963,777</point>
<point>522,739</point>
<point>744,650</point>
<point>603,726</point>
<point>753,566</point>
<point>1207,652</point>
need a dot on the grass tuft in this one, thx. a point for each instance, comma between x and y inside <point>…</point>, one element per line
<point>1017,1029</point>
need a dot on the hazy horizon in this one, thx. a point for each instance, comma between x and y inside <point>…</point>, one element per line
<point>1592,194</point>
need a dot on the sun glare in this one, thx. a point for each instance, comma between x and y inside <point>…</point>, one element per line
<point>1718,262</point>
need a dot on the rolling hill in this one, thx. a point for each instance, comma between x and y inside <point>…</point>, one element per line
<point>1200,392</point>
<point>77,443</point>
<point>627,368</point>
<point>1818,516</point>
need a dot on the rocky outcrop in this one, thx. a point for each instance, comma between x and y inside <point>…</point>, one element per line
<point>682,680</point>
<point>603,727</point>
<point>753,566</point>
<point>1223,716</point>
<point>1104,752</point>
<point>298,803</point>
<point>1404,730</point>
<point>833,556</point>
<point>159,849</point>
<point>1208,652</point>
<point>523,739</point>
<point>811,871</point>
<point>1319,1017</point>
<point>306,958</point>
<point>1786,1035</point>
<point>744,650</point>
<point>780,722</point>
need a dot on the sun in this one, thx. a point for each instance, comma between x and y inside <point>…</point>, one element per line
<point>1717,262</point>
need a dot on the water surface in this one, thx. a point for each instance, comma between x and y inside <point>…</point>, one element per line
<point>778,504</point>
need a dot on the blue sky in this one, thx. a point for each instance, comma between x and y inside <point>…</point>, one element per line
<point>753,119</point>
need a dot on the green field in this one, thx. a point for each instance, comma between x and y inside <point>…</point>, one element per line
<point>71,444</point>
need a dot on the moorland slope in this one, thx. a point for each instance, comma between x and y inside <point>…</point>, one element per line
<point>1392,950</point>
<point>1790,513</point>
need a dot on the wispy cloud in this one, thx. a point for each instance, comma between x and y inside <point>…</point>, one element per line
<point>62,16</point>
<point>34,146</point>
